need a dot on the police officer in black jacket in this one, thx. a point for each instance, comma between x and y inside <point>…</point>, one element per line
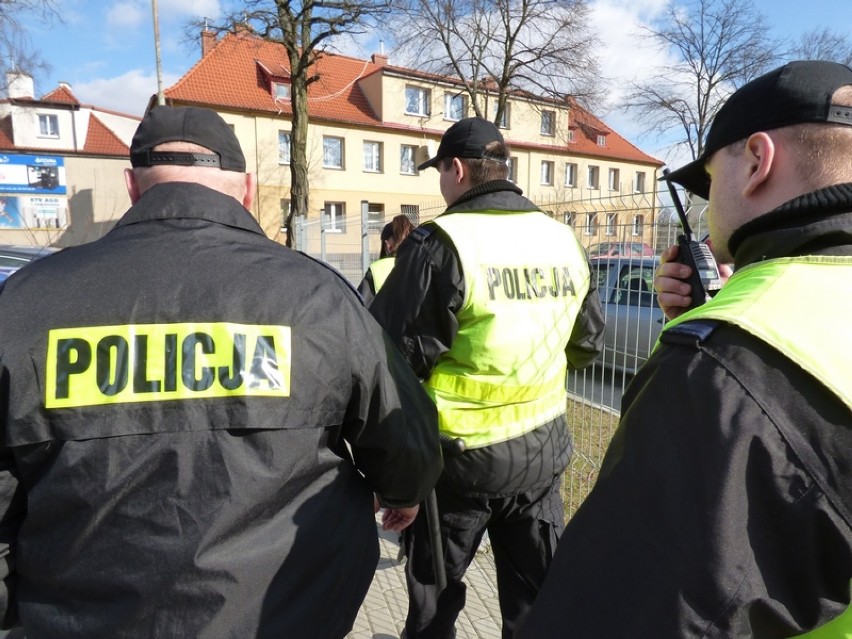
<point>723,507</point>
<point>195,419</point>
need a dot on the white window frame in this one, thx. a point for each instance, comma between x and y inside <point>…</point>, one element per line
<point>284,147</point>
<point>591,227</point>
<point>571,174</point>
<point>593,180</point>
<point>372,156</point>
<point>611,224</point>
<point>423,100</point>
<point>614,179</point>
<point>335,216</point>
<point>601,140</point>
<point>328,161</point>
<point>506,119</point>
<point>639,185</point>
<point>408,159</point>
<point>455,106</point>
<point>569,218</point>
<point>547,169</point>
<point>638,223</point>
<point>548,123</point>
<point>280,90</point>
<point>512,163</point>
<point>48,125</point>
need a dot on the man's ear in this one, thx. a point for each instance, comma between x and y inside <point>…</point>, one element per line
<point>760,154</point>
<point>460,169</point>
<point>132,185</point>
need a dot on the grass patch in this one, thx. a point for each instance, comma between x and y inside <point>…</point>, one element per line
<point>592,427</point>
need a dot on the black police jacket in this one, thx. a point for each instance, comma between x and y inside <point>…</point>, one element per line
<point>723,507</point>
<point>179,403</point>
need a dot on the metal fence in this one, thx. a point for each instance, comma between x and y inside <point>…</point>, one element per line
<point>618,222</point>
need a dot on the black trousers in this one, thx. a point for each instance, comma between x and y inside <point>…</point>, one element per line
<point>523,530</point>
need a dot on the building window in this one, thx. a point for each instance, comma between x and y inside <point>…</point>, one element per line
<point>373,157</point>
<point>548,123</point>
<point>281,90</point>
<point>601,140</point>
<point>375,215</point>
<point>611,223</point>
<point>455,106</point>
<point>417,101</point>
<point>513,169</point>
<point>48,126</point>
<point>547,172</point>
<point>503,122</point>
<point>412,212</point>
<point>335,216</point>
<point>570,136</point>
<point>569,218</point>
<point>283,147</point>
<point>571,175</point>
<point>614,180</point>
<point>332,152</point>
<point>594,177</point>
<point>638,224</point>
<point>591,224</point>
<point>407,163</point>
<point>639,187</point>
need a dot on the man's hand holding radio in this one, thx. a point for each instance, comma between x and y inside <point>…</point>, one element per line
<point>672,283</point>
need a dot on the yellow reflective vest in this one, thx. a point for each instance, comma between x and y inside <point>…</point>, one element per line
<point>380,269</point>
<point>780,302</point>
<point>504,374</point>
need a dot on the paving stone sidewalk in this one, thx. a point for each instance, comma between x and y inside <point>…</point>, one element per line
<point>382,616</point>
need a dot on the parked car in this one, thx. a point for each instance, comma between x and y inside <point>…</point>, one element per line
<point>621,249</point>
<point>13,257</point>
<point>633,318</point>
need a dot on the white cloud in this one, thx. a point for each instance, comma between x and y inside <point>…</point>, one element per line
<point>128,93</point>
<point>173,9</point>
<point>127,14</point>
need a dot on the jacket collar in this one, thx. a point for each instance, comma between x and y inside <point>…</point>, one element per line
<point>189,201</point>
<point>817,223</point>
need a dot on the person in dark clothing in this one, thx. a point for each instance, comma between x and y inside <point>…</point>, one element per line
<point>392,236</point>
<point>723,507</point>
<point>190,411</point>
<point>490,303</point>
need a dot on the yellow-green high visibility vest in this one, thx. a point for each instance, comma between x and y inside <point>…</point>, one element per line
<point>526,276</point>
<point>380,269</point>
<point>782,302</point>
<point>801,306</point>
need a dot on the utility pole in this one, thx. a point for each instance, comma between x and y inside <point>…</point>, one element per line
<point>161,100</point>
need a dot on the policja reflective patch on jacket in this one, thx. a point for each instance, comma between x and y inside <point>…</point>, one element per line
<point>97,365</point>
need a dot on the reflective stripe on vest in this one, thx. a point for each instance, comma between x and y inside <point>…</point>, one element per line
<point>380,269</point>
<point>781,302</point>
<point>526,276</point>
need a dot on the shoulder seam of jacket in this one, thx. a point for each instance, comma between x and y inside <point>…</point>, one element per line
<point>691,333</point>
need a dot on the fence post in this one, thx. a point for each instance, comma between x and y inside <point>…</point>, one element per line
<point>365,235</point>
<point>323,226</point>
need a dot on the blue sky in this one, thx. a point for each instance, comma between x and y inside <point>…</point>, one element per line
<point>105,48</point>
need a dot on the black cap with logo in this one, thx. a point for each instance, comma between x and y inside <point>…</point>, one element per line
<point>795,93</point>
<point>186,124</point>
<point>467,138</point>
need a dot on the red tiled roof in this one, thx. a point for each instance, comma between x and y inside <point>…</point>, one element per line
<point>236,73</point>
<point>101,140</point>
<point>61,94</point>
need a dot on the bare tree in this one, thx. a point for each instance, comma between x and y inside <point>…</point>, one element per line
<point>16,51</point>
<point>718,46</point>
<point>497,46</point>
<point>304,28</point>
<point>823,44</point>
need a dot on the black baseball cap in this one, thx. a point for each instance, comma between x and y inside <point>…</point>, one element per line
<point>200,126</point>
<point>467,138</point>
<point>795,93</point>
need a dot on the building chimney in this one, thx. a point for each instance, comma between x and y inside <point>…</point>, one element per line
<point>208,41</point>
<point>19,85</point>
<point>379,59</point>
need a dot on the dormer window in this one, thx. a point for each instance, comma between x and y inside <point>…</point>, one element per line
<point>281,90</point>
<point>48,126</point>
<point>601,140</point>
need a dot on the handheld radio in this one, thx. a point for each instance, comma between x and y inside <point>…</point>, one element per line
<point>704,279</point>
